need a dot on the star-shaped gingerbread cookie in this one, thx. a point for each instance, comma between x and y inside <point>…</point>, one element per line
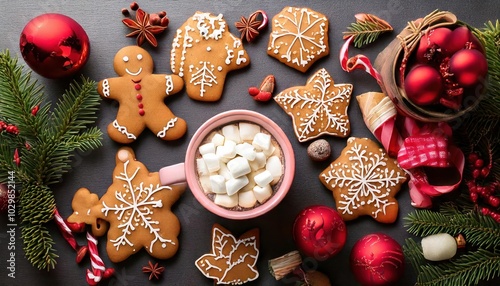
<point>319,107</point>
<point>232,261</point>
<point>364,181</point>
<point>136,207</point>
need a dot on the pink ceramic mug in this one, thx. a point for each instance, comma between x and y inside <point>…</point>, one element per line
<point>186,172</point>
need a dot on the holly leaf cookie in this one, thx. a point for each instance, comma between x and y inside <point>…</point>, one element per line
<point>203,52</point>
<point>364,181</point>
<point>232,261</point>
<point>299,37</point>
<point>135,211</point>
<point>319,107</point>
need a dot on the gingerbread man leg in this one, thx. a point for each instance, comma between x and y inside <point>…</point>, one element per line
<point>122,131</point>
<point>167,126</point>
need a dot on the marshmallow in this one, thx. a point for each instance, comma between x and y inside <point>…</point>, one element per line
<point>224,171</point>
<point>262,141</point>
<point>263,178</point>
<point>246,150</point>
<point>226,201</point>
<point>212,161</point>
<point>218,139</point>
<point>262,193</point>
<point>246,199</point>
<point>218,184</point>
<point>273,165</point>
<point>236,184</point>
<point>207,148</point>
<point>205,184</point>
<point>238,167</point>
<point>201,167</point>
<point>269,152</point>
<point>248,131</point>
<point>259,162</point>
<point>249,186</point>
<point>227,150</point>
<point>231,132</point>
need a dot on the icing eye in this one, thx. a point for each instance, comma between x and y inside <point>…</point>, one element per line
<point>125,59</point>
<point>139,56</point>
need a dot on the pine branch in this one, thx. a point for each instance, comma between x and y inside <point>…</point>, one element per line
<point>366,29</point>
<point>413,253</point>
<point>480,231</point>
<point>467,269</point>
<point>38,246</point>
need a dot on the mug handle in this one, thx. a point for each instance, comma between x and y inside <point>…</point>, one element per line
<point>173,174</point>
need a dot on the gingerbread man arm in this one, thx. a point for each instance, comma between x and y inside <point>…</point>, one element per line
<point>105,90</point>
<point>171,83</point>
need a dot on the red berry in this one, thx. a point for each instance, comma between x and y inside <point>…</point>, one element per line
<point>473,197</point>
<point>494,201</point>
<point>479,163</point>
<point>476,173</point>
<point>253,91</point>
<point>485,172</point>
<point>472,158</point>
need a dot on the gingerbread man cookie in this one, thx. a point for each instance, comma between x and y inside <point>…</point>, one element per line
<point>137,209</point>
<point>203,52</point>
<point>141,95</point>
<point>364,181</point>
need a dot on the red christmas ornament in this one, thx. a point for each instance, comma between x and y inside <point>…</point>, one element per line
<point>319,232</point>
<point>433,43</point>
<point>423,85</point>
<point>458,39</point>
<point>4,198</point>
<point>54,45</point>
<point>377,259</point>
<point>469,67</point>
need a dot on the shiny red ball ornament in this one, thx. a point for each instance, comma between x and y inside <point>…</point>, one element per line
<point>54,45</point>
<point>377,259</point>
<point>319,232</point>
<point>469,67</point>
<point>432,43</point>
<point>423,85</point>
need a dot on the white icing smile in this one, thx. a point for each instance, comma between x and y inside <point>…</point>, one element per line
<point>133,73</point>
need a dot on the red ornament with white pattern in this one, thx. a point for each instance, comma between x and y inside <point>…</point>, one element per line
<point>377,259</point>
<point>319,232</point>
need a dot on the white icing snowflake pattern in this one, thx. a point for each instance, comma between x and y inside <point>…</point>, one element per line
<point>135,210</point>
<point>299,36</point>
<point>318,108</point>
<point>204,76</point>
<point>366,179</point>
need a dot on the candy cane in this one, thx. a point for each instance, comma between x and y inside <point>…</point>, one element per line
<point>357,62</point>
<point>81,251</point>
<point>98,271</point>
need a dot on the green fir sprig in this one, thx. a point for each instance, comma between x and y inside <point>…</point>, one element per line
<point>48,137</point>
<point>366,29</point>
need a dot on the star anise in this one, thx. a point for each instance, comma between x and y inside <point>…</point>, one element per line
<point>249,28</point>
<point>143,28</point>
<point>154,270</point>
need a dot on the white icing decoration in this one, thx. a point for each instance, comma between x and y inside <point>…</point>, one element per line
<point>304,20</point>
<point>123,130</point>
<point>139,56</point>
<point>133,73</point>
<point>369,179</point>
<point>170,124</point>
<point>169,84</point>
<point>203,76</point>
<point>230,55</point>
<point>209,27</point>
<point>321,101</point>
<point>125,58</point>
<point>136,205</point>
<point>221,252</point>
<point>241,57</point>
<point>209,49</point>
<point>105,88</point>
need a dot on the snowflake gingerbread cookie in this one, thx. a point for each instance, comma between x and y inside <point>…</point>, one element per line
<point>299,37</point>
<point>203,52</point>
<point>141,96</point>
<point>319,107</point>
<point>135,211</point>
<point>231,261</point>
<point>364,181</point>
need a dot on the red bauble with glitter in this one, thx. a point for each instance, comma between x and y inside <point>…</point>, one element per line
<point>377,259</point>
<point>319,232</point>
<point>54,45</point>
<point>469,67</point>
<point>423,85</point>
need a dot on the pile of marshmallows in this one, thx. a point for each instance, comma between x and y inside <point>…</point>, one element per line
<point>239,164</point>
